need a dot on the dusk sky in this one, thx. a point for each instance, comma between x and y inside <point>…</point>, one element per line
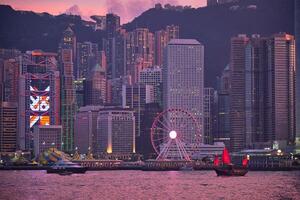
<point>127,9</point>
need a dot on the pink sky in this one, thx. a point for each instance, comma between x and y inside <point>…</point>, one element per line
<point>127,9</point>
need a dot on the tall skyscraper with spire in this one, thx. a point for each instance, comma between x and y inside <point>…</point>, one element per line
<point>68,97</point>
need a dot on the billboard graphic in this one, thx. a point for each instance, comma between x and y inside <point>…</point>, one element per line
<point>39,101</point>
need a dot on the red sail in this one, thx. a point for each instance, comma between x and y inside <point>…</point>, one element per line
<point>245,162</point>
<point>225,157</point>
<point>216,161</point>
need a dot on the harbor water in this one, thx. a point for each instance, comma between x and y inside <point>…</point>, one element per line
<point>256,185</point>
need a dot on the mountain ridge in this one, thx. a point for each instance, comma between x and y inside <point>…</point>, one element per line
<point>212,26</point>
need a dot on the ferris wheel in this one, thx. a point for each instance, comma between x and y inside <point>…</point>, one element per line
<point>174,134</point>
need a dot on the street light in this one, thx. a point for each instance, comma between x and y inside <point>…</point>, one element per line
<point>52,144</point>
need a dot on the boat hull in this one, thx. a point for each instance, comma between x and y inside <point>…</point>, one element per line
<point>79,170</point>
<point>222,171</point>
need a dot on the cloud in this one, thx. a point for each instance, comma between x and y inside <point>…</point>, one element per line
<point>73,10</point>
<point>132,8</point>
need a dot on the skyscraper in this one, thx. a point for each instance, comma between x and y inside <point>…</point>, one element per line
<point>69,40</point>
<point>86,57</point>
<point>153,76</point>
<point>161,41</point>
<point>297,37</point>
<point>39,94</point>
<point>110,43</point>
<point>209,96</point>
<point>139,51</point>
<point>172,32</point>
<point>151,111</point>
<point>183,79</point>
<point>114,90</point>
<point>85,133</point>
<point>262,93</point>
<point>10,75</point>
<point>255,92</point>
<point>281,89</point>
<point>223,132</point>
<point>68,97</point>
<point>95,87</point>
<point>115,131</point>
<point>237,92</point>
<point>162,38</point>
<point>8,126</point>
<point>136,97</point>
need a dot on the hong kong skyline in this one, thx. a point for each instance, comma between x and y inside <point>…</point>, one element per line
<point>150,99</point>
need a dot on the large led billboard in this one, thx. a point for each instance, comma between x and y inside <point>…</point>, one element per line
<point>39,101</point>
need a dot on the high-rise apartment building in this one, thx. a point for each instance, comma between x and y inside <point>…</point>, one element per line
<point>139,51</point>
<point>172,32</point>
<point>162,38</point>
<point>183,79</point>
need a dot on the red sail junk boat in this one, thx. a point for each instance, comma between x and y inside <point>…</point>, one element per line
<point>226,168</point>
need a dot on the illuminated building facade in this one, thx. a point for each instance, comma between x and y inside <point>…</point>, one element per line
<point>139,51</point>
<point>162,38</point>
<point>10,79</point>
<point>39,94</point>
<point>262,92</point>
<point>281,90</point>
<point>183,80</point>
<point>172,32</point>
<point>115,131</point>
<point>8,126</point>
<point>67,51</point>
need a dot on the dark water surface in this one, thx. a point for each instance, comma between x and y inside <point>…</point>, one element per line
<point>38,185</point>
